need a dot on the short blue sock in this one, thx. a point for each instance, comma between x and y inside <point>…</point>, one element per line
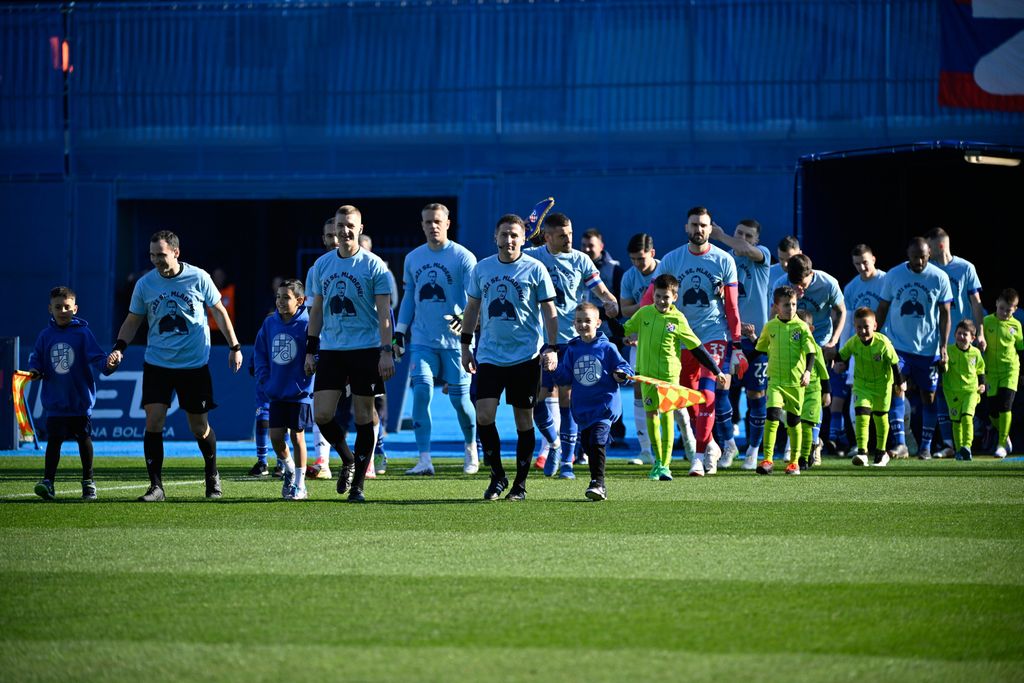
<point>723,416</point>
<point>544,420</point>
<point>945,425</point>
<point>897,414</point>
<point>262,437</point>
<point>568,435</point>
<point>422,394</point>
<point>928,415</point>
<point>757,412</point>
<point>458,394</point>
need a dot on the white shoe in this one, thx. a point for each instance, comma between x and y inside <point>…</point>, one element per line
<point>583,459</point>
<point>816,454</point>
<point>728,453</point>
<point>787,455</point>
<point>635,461</point>
<point>712,454</point>
<point>697,467</point>
<point>859,460</point>
<point>299,493</point>
<point>1000,452</point>
<point>424,467</point>
<point>946,452</point>
<point>882,461</point>
<point>750,460</point>
<point>470,464</point>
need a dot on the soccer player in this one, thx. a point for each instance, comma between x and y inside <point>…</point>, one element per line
<point>791,349</point>
<point>176,363</point>
<point>280,354</point>
<point>864,290</point>
<point>634,283</point>
<point>963,381</point>
<point>966,304</point>
<point>572,274</point>
<point>662,332</point>
<point>919,296</point>
<point>714,316</point>
<point>434,279</point>
<point>594,368</point>
<point>753,266</point>
<point>510,352</point>
<point>875,372</point>
<point>64,357</point>
<point>787,248</point>
<point>354,344</point>
<point>814,401</point>
<point>1002,358</point>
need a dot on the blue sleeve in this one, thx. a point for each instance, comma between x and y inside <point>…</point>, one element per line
<point>381,283</point>
<point>96,356</point>
<point>971,282</point>
<point>945,290</point>
<point>563,373</point>
<point>887,287</point>
<point>613,361</point>
<point>211,296</point>
<point>35,359</point>
<point>261,364</point>
<point>472,284</point>
<point>835,294</point>
<point>545,288</point>
<point>406,311</point>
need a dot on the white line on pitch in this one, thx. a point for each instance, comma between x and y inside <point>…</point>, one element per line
<point>107,488</point>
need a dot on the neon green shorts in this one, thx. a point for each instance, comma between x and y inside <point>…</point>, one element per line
<point>961,404</point>
<point>877,403</point>
<point>811,411</point>
<point>1003,378</point>
<point>790,399</point>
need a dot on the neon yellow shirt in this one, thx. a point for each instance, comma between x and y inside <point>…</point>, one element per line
<point>660,337</point>
<point>787,344</point>
<point>1004,340</point>
<point>962,371</point>
<point>872,373</point>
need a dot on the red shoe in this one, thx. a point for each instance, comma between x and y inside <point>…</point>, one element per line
<point>765,467</point>
<point>792,468</point>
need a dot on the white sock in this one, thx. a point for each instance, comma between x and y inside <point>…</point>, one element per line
<point>300,478</point>
<point>424,458</point>
<point>682,418</point>
<point>289,466</point>
<point>323,449</point>
<point>640,422</point>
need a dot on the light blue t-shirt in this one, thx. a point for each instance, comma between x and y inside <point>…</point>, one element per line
<point>510,294</point>
<point>175,308</point>
<point>963,282</point>
<point>702,279</point>
<point>753,292</point>
<point>348,287</point>
<point>572,275</point>
<point>914,299</point>
<point>858,293</point>
<point>818,299</point>
<point>775,273</point>
<point>634,283</point>
<point>435,286</point>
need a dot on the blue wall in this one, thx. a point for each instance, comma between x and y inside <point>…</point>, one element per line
<point>626,112</point>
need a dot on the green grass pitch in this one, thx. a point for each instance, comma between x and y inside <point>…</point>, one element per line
<point>911,573</point>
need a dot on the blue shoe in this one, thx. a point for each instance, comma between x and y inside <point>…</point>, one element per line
<point>551,464</point>
<point>287,485</point>
<point>44,490</point>
<point>565,471</point>
<point>964,454</point>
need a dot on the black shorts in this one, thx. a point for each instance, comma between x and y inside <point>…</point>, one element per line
<point>520,382</point>
<point>68,427</point>
<point>297,417</point>
<point>337,369</point>
<point>193,386</point>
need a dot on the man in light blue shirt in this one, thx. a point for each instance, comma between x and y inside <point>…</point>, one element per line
<point>915,302</point>
<point>435,277</point>
<point>753,266</point>
<point>966,287</point>
<point>350,327</point>
<point>173,298</point>
<point>862,291</point>
<point>510,353</point>
<point>573,274</point>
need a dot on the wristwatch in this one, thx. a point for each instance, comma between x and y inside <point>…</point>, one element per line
<point>236,347</point>
<point>386,348</point>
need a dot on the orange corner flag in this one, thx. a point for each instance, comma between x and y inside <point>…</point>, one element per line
<point>673,396</point>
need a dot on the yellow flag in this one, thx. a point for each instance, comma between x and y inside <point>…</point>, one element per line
<point>672,396</point>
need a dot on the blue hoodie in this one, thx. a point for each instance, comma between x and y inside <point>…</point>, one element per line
<point>66,357</point>
<point>279,354</point>
<point>588,368</point>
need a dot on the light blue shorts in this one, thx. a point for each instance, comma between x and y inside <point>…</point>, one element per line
<point>428,365</point>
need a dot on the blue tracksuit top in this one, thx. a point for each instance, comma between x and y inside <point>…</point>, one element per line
<point>588,368</point>
<point>279,355</point>
<point>66,357</point>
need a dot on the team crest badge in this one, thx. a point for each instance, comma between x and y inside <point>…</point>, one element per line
<point>671,327</point>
